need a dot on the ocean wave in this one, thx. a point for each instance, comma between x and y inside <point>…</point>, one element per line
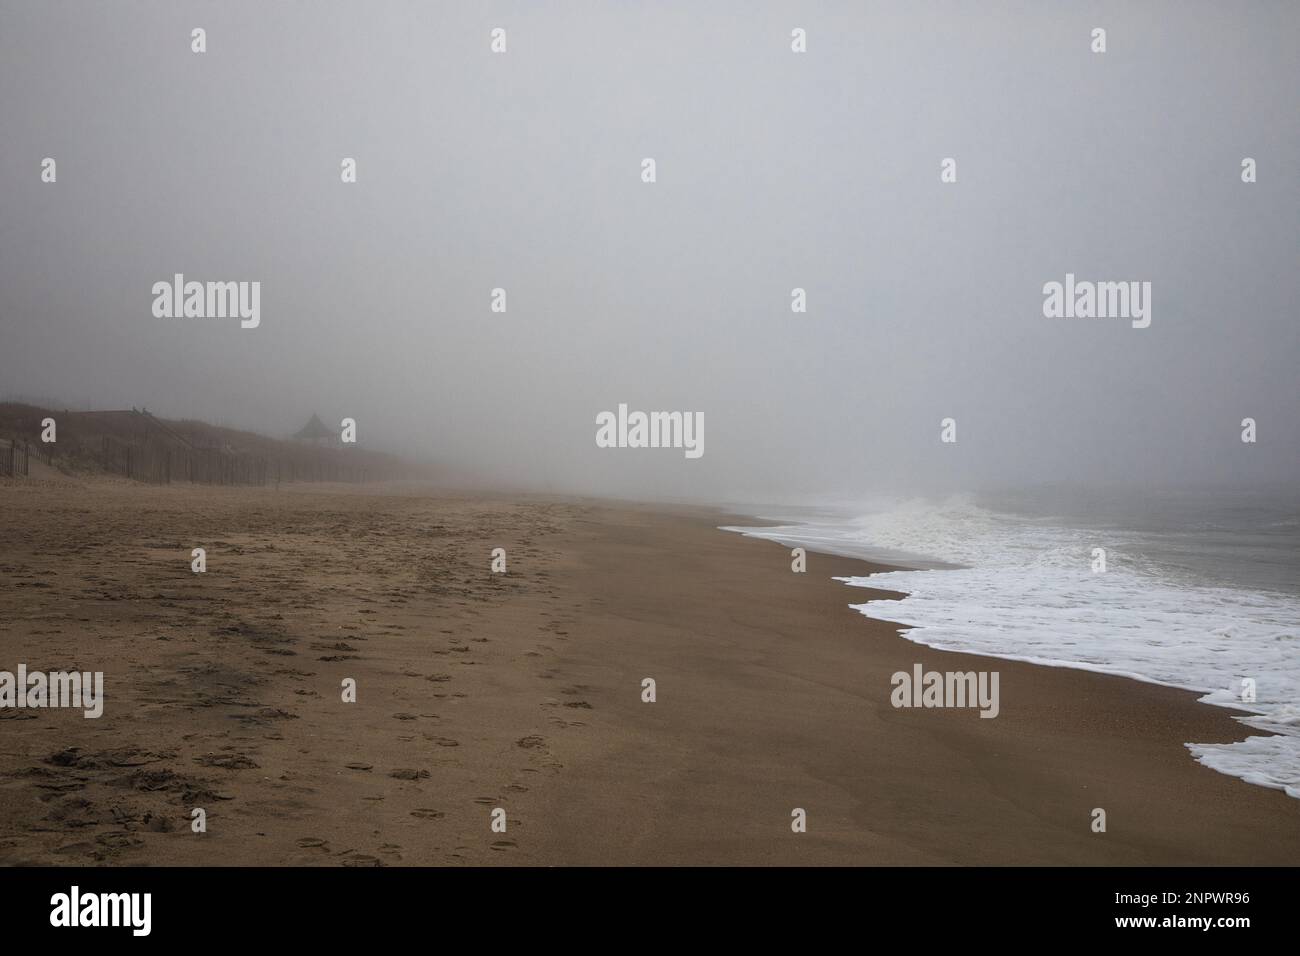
<point>1024,588</point>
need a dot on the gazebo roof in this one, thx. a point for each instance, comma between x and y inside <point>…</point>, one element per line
<point>314,429</point>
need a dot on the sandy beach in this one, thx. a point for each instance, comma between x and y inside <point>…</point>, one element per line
<point>523,691</point>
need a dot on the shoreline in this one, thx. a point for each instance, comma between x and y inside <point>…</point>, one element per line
<point>1269,765</point>
<point>1100,712</point>
<point>523,691</point>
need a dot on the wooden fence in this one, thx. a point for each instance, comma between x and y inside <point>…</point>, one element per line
<point>159,463</point>
<point>159,454</point>
<point>14,458</point>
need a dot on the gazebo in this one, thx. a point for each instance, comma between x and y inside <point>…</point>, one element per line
<point>314,431</point>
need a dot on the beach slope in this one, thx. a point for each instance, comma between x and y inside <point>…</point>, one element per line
<point>523,693</point>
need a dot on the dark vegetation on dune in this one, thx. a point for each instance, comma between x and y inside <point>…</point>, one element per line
<point>133,443</point>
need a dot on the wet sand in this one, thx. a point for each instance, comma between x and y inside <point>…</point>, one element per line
<point>522,691</point>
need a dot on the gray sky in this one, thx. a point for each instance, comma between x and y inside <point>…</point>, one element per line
<point>775,170</point>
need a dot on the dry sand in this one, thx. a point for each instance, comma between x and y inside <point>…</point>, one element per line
<point>523,691</point>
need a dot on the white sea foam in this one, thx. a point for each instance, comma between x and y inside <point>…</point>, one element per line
<point>1025,590</point>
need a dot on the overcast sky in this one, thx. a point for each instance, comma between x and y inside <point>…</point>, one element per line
<point>775,170</point>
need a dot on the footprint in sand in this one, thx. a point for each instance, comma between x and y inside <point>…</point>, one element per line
<point>311,843</point>
<point>226,761</point>
<point>558,722</point>
<point>77,849</point>
<point>359,766</point>
<point>426,813</point>
<point>157,824</point>
<point>504,844</point>
<point>407,773</point>
<point>118,840</point>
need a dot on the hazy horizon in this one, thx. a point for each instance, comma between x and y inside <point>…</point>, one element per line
<point>775,171</point>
